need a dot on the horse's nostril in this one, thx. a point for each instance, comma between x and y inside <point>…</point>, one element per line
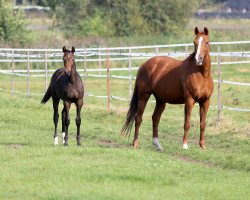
<point>200,58</point>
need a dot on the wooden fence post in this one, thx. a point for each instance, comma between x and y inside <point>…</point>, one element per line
<point>130,75</point>
<point>219,84</point>
<point>46,71</point>
<point>28,75</point>
<point>156,50</point>
<point>99,61</point>
<point>108,77</point>
<point>13,74</point>
<point>84,78</point>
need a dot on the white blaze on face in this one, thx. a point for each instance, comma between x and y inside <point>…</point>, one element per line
<point>198,49</point>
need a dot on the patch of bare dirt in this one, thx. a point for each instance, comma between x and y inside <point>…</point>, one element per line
<point>14,146</point>
<point>191,160</point>
<point>110,144</point>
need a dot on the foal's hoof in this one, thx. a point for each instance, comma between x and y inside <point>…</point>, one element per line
<point>135,145</point>
<point>203,146</point>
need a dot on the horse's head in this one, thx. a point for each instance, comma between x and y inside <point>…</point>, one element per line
<point>68,59</point>
<point>201,45</point>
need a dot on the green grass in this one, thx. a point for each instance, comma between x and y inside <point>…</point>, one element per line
<point>106,166</point>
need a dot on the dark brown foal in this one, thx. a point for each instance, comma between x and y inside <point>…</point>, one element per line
<point>66,84</point>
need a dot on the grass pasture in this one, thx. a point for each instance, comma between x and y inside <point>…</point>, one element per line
<point>106,166</point>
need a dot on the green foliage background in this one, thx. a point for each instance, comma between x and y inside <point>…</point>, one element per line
<point>120,17</point>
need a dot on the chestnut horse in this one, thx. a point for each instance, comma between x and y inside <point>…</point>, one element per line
<point>175,82</point>
<point>66,84</point>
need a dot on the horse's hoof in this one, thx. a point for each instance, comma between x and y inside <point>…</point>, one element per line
<point>185,146</point>
<point>79,144</point>
<point>65,144</point>
<point>135,145</point>
<point>161,150</point>
<point>56,141</point>
<point>157,144</point>
<point>203,146</point>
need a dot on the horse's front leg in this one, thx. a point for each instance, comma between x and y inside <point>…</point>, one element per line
<point>78,120</point>
<point>67,121</point>
<point>203,112</point>
<point>188,109</point>
<point>55,118</point>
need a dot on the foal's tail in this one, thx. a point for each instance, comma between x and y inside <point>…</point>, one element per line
<point>47,95</point>
<point>126,129</point>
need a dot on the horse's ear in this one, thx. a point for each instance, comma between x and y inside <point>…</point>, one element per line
<point>64,49</point>
<point>196,30</point>
<point>206,31</point>
<point>73,49</point>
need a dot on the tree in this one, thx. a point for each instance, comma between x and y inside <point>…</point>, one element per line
<point>122,17</point>
<point>12,26</point>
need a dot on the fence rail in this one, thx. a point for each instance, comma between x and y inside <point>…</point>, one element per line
<point>100,55</point>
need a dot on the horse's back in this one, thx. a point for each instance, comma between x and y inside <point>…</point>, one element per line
<point>162,76</point>
<point>63,88</point>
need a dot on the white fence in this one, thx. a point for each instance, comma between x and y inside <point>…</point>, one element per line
<point>100,55</point>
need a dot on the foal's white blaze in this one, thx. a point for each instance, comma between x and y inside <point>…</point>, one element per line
<point>185,146</point>
<point>157,144</point>
<point>198,49</point>
<point>63,135</point>
<point>56,140</point>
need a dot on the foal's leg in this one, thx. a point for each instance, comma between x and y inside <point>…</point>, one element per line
<point>142,102</point>
<point>55,118</point>
<point>67,121</point>
<point>188,109</point>
<point>63,124</point>
<point>160,106</point>
<point>203,111</point>
<point>78,120</point>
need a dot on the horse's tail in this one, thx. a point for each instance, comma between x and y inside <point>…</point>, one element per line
<point>126,129</point>
<point>47,95</point>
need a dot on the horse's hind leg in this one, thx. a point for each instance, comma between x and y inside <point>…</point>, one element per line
<point>160,106</point>
<point>142,102</point>
<point>55,118</point>
<point>67,121</point>
<point>78,120</point>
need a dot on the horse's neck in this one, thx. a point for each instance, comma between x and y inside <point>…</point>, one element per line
<point>205,68</point>
<point>73,74</point>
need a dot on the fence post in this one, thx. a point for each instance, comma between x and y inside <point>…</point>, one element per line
<point>108,77</point>
<point>84,78</point>
<point>130,75</point>
<point>219,84</point>
<point>99,61</point>
<point>46,71</point>
<point>156,50</point>
<point>28,75</point>
<point>13,75</point>
<point>186,50</point>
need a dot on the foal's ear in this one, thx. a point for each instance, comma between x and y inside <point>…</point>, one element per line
<point>196,30</point>
<point>64,49</point>
<point>73,49</point>
<point>206,31</point>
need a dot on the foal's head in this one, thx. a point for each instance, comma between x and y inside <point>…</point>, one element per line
<point>68,59</point>
<point>201,44</point>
